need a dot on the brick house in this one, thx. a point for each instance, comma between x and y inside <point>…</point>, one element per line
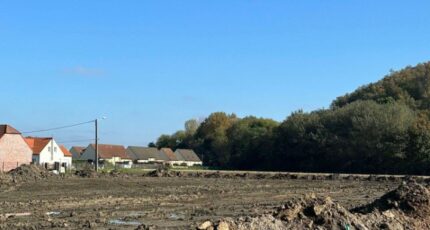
<point>14,151</point>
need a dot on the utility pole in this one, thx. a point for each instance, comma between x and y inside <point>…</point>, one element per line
<point>97,146</point>
<point>52,147</point>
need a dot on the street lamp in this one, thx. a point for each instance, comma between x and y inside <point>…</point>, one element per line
<point>97,142</point>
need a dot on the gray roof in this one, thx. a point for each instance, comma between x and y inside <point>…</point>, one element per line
<point>188,154</point>
<point>178,156</point>
<point>144,153</point>
<point>77,151</point>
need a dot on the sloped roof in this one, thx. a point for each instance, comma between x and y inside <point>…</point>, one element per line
<point>188,154</point>
<point>37,144</point>
<point>65,151</point>
<point>77,149</point>
<point>144,153</point>
<point>169,153</point>
<point>110,151</point>
<point>7,129</point>
<point>178,156</point>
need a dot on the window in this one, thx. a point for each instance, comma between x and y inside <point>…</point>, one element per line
<point>55,149</point>
<point>49,149</point>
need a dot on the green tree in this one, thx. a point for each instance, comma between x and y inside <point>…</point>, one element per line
<point>212,140</point>
<point>166,141</point>
<point>250,143</point>
<point>191,127</point>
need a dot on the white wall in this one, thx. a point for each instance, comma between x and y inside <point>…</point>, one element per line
<point>194,163</point>
<point>90,152</point>
<point>52,153</point>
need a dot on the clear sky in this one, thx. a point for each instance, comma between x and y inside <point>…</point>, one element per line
<point>150,65</point>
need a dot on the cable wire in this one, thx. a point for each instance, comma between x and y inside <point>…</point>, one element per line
<point>56,128</point>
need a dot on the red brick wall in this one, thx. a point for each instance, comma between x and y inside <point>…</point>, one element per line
<point>13,152</point>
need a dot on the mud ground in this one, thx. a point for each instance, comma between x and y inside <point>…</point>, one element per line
<point>127,202</point>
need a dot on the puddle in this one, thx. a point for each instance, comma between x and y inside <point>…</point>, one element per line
<point>122,222</point>
<point>53,213</point>
<point>9,215</point>
<point>175,216</point>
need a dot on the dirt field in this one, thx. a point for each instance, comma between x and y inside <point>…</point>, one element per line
<point>127,202</point>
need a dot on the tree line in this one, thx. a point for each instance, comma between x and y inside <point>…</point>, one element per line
<point>383,127</point>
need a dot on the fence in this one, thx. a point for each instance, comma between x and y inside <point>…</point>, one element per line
<point>7,166</point>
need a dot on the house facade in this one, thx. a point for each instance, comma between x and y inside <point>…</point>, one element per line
<point>67,154</point>
<point>144,155</point>
<point>181,157</point>
<point>14,151</point>
<point>189,156</point>
<point>173,159</point>
<point>113,154</point>
<point>47,151</point>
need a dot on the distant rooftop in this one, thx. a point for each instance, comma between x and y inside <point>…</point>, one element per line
<point>7,129</point>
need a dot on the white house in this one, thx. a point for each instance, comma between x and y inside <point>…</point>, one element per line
<point>113,154</point>
<point>189,156</point>
<point>46,150</point>
<point>67,155</point>
<point>143,155</point>
<point>173,158</point>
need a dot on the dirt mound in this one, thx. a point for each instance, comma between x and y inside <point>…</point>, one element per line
<point>88,172</point>
<point>115,173</point>
<point>245,223</point>
<point>410,198</point>
<point>30,173</point>
<point>311,211</point>
<point>5,179</point>
<point>161,173</point>
<point>407,207</point>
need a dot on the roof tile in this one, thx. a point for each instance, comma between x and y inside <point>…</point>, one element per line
<point>37,144</point>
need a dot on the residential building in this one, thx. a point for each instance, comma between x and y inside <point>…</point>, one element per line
<point>142,155</point>
<point>190,157</point>
<point>14,151</point>
<point>113,154</point>
<point>67,154</point>
<point>173,159</point>
<point>77,151</point>
<point>47,151</point>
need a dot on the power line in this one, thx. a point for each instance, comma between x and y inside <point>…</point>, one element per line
<point>57,128</point>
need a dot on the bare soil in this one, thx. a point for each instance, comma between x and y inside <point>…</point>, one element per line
<point>164,201</point>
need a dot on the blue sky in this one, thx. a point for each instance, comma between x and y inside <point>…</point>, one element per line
<point>150,65</point>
